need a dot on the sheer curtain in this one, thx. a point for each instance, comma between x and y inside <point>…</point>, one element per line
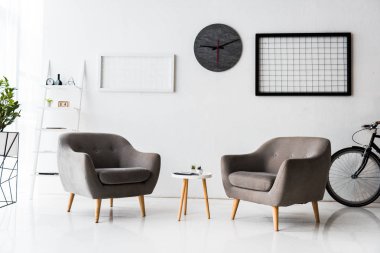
<point>9,42</point>
<point>21,39</point>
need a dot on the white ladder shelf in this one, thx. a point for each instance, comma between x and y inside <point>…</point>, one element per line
<point>41,129</point>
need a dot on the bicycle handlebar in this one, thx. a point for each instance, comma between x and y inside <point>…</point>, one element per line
<point>372,125</point>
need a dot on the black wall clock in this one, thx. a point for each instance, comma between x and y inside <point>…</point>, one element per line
<point>218,47</point>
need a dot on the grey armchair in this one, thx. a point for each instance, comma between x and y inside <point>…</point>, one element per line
<point>282,172</point>
<point>102,166</point>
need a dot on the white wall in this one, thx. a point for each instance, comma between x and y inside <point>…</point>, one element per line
<point>211,114</point>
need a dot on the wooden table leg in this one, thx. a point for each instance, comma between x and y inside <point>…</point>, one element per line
<point>206,197</point>
<point>186,194</point>
<point>182,198</point>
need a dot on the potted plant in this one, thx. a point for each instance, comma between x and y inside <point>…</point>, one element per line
<point>49,102</point>
<point>8,106</point>
<point>195,169</point>
<point>9,111</point>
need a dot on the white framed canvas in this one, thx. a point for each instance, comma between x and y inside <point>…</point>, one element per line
<point>137,73</point>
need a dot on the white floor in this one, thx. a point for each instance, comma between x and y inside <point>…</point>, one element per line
<point>45,226</point>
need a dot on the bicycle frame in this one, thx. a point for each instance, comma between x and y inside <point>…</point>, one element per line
<point>367,151</point>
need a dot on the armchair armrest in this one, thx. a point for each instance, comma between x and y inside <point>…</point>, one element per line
<point>301,180</point>
<point>246,162</point>
<point>233,163</point>
<point>130,157</point>
<point>77,172</point>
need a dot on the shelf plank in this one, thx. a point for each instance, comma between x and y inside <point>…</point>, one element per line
<point>58,108</point>
<point>62,87</point>
<point>56,129</point>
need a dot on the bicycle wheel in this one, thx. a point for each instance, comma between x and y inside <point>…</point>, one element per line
<point>354,192</point>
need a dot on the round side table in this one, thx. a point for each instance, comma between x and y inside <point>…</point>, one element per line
<point>185,188</point>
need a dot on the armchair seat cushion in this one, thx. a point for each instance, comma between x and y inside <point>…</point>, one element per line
<point>122,175</point>
<point>258,181</point>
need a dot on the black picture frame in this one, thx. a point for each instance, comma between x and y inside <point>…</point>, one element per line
<point>348,90</point>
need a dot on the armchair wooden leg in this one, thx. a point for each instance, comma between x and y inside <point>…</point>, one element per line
<point>275,218</point>
<point>111,202</point>
<point>97,209</point>
<point>234,208</point>
<point>142,205</point>
<point>71,199</point>
<point>316,211</point>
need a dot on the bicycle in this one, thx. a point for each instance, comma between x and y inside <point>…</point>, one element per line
<point>354,177</point>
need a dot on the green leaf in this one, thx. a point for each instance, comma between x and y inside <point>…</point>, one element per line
<point>8,106</point>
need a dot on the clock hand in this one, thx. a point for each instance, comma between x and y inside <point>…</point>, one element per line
<point>219,46</point>
<point>225,44</point>
<point>217,53</point>
<point>212,47</point>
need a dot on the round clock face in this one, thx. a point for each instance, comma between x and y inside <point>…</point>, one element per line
<point>50,81</point>
<point>218,47</point>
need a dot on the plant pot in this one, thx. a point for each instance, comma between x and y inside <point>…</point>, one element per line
<point>9,148</point>
<point>49,104</point>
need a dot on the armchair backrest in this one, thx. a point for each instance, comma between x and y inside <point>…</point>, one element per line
<point>104,149</point>
<point>274,152</point>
